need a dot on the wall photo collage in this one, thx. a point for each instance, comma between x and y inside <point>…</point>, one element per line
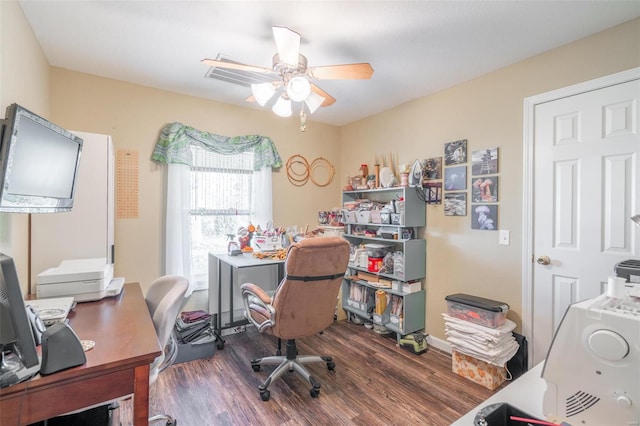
<point>484,183</point>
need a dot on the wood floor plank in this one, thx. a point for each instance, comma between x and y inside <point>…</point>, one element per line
<point>374,383</point>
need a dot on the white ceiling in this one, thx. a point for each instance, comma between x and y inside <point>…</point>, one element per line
<point>415,47</point>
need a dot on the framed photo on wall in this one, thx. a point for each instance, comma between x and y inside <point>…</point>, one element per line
<point>455,204</point>
<point>455,152</point>
<point>484,162</point>
<point>455,178</point>
<point>484,189</point>
<point>432,169</point>
<point>484,217</point>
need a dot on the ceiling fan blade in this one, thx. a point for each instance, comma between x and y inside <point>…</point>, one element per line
<point>238,66</point>
<point>361,71</point>
<point>288,45</point>
<point>328,99</point>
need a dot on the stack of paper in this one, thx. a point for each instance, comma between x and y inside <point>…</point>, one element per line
<point>493,345</point>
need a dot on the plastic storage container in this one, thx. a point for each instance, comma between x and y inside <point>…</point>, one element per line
<point>377,250</point>
<point>486,312</point>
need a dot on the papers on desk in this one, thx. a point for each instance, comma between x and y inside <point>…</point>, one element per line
<point>52,310</point>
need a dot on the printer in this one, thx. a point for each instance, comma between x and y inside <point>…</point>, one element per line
<point>83,279</point>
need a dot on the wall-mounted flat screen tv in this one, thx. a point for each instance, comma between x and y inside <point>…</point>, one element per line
<point>38,164</point>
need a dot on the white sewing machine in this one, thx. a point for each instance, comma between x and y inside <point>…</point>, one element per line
<point>592,370</point>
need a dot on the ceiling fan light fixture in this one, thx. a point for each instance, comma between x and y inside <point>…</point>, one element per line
<point>263,92</point>
<point>298,89</point>
<point>282,107</point>
<point>313,101</point>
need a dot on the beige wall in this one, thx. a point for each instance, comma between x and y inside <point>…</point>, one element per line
<point>24,79</point>
<point>488,112</point>
<point>134,115</point>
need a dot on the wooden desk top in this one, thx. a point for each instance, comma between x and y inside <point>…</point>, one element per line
<point>125,339</point>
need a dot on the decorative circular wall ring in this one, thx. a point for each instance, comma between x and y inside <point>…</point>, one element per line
<point>322,163</point>
<point>297,177</point>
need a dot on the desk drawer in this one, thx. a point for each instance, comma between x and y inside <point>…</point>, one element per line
<point>53,400</point>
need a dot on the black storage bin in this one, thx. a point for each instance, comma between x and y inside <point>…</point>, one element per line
<point>500,415</point>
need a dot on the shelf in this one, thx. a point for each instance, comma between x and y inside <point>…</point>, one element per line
<point>378,224</point>
<point>386,289</point>
<point>413,258</point>
<point>384,240</point>
<point>414,208</point>
<point>392,189</point>
<point>413,309</point>
<point>410,217</point>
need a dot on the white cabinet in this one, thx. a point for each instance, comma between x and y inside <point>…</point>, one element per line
<point>87,231</point>
<point>405,306</point>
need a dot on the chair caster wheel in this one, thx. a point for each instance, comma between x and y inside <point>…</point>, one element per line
<point>314,392</point>
<point>220,345</point>
<point>265,395</point>
<point>331,365</point>
<point>256,367</point>
<point>173,422</point>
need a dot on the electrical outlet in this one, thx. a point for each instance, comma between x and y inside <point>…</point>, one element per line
<point>503,237</point>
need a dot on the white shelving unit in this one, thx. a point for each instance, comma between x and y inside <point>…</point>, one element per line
<point>358,295</point>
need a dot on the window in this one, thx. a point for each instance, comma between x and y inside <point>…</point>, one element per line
<point>221,202</point>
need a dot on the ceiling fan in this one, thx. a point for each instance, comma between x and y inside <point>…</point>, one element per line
<point>293,80</point>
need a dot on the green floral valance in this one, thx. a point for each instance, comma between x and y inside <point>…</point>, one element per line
<point>174,143</point>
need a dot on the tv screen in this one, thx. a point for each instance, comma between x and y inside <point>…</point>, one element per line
<point>38,164</point>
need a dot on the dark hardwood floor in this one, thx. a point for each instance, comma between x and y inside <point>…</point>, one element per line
<point>374,383</point>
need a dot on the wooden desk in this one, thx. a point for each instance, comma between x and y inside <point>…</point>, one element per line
<point>117,366</point>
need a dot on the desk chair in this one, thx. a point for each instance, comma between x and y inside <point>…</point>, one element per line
<point>303,304</point>
<point>164,300</point>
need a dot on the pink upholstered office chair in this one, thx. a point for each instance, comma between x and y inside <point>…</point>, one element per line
<point>303,304</point>
<point>165,298</point>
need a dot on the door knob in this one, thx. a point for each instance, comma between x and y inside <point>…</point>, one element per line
<point>543,260</point>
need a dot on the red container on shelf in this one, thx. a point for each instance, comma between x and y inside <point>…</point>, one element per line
<point>374,264</point>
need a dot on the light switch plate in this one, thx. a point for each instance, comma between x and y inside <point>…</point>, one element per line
<point>503,237</point>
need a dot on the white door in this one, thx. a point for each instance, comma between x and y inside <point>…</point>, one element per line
<point>586,188</point>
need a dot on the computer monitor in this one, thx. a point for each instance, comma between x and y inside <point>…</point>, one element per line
<point>39,163</point>
<point>15,328</point>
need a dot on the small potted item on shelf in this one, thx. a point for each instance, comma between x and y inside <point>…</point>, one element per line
<point>371,181</point>
<point>348,186</point>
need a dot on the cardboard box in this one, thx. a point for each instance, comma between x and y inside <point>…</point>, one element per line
<point>411,287</point>
<point>481,372</point>
<point>374,279</point>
